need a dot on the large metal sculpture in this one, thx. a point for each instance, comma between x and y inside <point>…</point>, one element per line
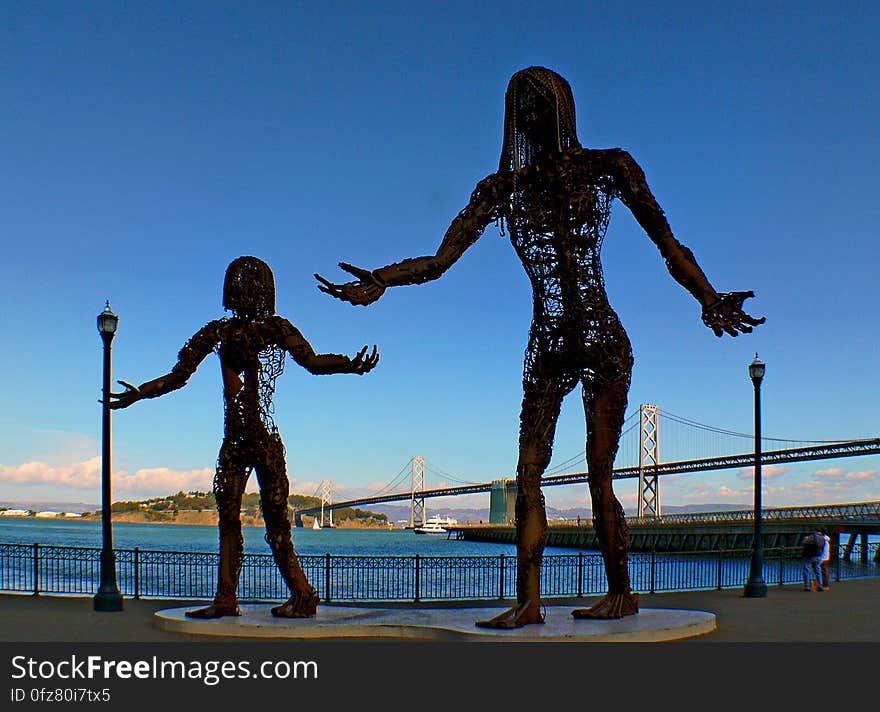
<point>251,346</point>
<point>554,198</point>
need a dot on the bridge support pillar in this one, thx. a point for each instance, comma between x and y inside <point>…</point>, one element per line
<point>417,510</point>
<point>326,499</point>
<point>649,457</point>
<point>502,502</point>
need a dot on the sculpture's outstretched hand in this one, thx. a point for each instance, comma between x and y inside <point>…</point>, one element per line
<point>727,314</point>
<point>366,290</point>
<point>362,363</point>
<point>130,395</point>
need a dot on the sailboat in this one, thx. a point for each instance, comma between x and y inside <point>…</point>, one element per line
<point>316,524</point>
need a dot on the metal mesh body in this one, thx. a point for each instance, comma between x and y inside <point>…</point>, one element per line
<point>554,198</point>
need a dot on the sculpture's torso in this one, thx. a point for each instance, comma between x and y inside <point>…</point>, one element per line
<point>246,396</point>
<point>557,220</point>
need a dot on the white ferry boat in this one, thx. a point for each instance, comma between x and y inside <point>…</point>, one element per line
<point>436,525</point>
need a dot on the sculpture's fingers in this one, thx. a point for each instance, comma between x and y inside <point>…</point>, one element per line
<point>741,297</point>
<point>129,386</point>
<point>328,287</point>
<point>362,274</point>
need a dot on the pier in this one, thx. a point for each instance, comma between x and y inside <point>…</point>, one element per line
<point>783,527</point>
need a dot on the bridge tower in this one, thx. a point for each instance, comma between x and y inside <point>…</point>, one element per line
<point>326,498</point>
<point>649,455</point>
<point>417,511</point>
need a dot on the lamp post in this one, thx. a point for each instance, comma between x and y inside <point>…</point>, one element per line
<point>108,597</point>
<point>755,586</point>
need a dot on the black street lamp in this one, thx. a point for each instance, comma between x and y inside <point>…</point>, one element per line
<point>108,597</point>
<point>755,586</point>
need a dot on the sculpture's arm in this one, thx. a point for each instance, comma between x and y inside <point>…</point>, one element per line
<point>722,311</point>
<point>466,228</point>
<point>190,356</point>
<point>319,364</point>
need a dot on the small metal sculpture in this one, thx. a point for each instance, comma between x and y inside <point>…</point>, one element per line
<point>554,198</point>
<point>251,346</point>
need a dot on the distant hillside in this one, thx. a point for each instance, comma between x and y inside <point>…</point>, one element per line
<point>197,508</point>
<point>163,509</point>
<point>77,507</point>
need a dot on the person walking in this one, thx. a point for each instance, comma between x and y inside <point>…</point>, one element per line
<point>825,557</point>
<point>811,551</point>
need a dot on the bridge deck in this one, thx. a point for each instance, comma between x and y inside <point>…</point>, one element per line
<point>850,448</point>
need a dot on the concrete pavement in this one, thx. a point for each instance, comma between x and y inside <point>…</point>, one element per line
<point>846,613</point>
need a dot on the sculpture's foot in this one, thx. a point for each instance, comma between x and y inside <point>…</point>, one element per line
<point>215,610</point>
<point>516,617</point>
<point>611,605</point>
<point>299,605</point>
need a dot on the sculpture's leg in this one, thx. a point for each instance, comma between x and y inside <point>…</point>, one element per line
<point>541,403</point>
<point>274,491</point>
<point>229,484</point>
<point>604,406</point>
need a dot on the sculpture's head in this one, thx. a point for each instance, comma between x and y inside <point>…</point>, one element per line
<point>538,117</point>
<point>249,288</point>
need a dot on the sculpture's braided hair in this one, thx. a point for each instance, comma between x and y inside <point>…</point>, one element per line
<point>517,151</point>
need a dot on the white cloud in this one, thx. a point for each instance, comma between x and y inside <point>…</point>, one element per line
<point>305,487</point>
<point>156,481</point>
<point>768,472</point>
<point>836,483</point>
<point>80,475</point>
<point>774,495</point>
<point>86,475</point>
<point>862,476</point>
<point>841,475</point>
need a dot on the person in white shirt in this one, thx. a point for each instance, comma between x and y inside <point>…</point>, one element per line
<point>824,559</point>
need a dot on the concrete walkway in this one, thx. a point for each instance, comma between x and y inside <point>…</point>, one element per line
<point>846,613</point>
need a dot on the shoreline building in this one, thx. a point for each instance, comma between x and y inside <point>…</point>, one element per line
<point>15,513</point>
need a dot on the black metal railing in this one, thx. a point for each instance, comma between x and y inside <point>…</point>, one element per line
<point>36,569</point>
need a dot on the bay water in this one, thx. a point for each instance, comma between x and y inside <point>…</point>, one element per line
<point>184,537</point>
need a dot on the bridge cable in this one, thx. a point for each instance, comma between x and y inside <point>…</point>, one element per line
<point>442,473</point>
<point>394,481</point>
<point>702,426</point>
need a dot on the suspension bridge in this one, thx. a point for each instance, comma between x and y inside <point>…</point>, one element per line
<point>687,444</point>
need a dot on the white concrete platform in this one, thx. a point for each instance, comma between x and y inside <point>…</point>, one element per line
<point>449,624</point>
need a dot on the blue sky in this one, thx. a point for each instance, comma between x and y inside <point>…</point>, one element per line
<point>147,145</point>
